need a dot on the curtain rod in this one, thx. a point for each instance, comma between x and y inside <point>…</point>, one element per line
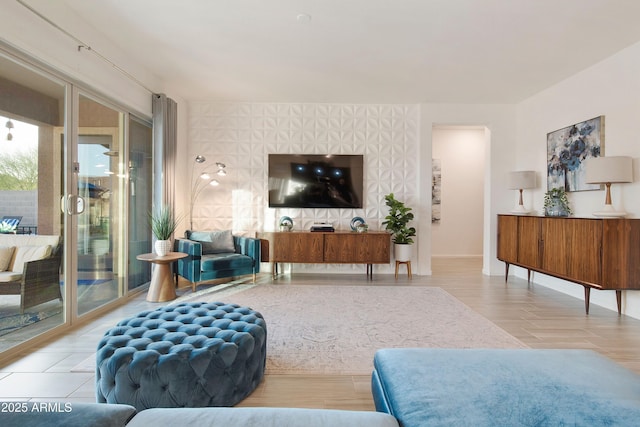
<point>83,45</point>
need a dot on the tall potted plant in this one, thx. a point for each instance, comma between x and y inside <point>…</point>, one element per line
<point>163,223</point>
<point>397,222</point>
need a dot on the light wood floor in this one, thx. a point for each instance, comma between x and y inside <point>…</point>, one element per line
<point>539,317</point>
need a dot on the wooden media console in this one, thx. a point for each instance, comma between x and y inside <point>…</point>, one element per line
<point>339,247</point>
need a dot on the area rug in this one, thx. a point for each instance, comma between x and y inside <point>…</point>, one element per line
<point>335,330</point>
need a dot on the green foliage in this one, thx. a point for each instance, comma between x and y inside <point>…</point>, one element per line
<point>557,195</point>
<point>19,171</point>
<point>398,219</point>
<point>163,223</point>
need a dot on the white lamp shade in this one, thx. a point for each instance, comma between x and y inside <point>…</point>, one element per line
<point>600,170</point>
<point>522,179</point>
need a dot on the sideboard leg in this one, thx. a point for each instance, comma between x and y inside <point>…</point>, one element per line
<point>619,301</point>
<point>370,271</point>
<point>587,295</point>
<point>506,271</point>
<point>528,275</point>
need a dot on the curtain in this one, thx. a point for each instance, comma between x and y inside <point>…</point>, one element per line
<point>165,114</point>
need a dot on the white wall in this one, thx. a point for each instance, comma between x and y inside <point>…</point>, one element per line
<point>610,88</point>
<point>241,135</point>
<point>461,152</point>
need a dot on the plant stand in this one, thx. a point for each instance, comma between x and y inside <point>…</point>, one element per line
<point>408,263</point>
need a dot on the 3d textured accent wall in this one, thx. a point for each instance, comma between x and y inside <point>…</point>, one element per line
<point>241,135</point>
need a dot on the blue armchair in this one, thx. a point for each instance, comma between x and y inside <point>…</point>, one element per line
<point>203,264</point>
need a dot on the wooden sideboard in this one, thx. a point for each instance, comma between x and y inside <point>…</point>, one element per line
<point>598,253</point>
<point>340,247</point>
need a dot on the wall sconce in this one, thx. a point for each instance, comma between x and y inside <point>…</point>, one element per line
<point>201,182</point>
<point>9,126</point>
<point>520,180</point>
<point>609,170</point>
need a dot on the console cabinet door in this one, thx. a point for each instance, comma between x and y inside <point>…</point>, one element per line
<point>340,248</point>
<point>298,247</point>
<point>356,248</point>
<point>529,241</point>
<point>585,263</point>
<point>572,248</point>
<point>508,238</point>
<point>374,248</point>
<point>555,246</point>
<point>621,254</point>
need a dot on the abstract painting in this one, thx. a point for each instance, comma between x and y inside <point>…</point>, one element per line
<point>436,190</point>
<point>568,148</point>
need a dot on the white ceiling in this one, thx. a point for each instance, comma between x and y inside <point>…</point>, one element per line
<point>364,51</point>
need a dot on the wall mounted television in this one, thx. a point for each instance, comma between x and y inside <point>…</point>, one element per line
<point>316,180</point>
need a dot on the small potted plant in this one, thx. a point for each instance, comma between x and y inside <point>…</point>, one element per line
<point>397,222</point>
<point>163,224</point>
<point>556,203</point>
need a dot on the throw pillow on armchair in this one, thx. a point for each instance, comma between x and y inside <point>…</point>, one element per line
<point>213,242</point>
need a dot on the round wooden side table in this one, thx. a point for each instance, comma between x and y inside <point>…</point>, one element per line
<point>162,286</point>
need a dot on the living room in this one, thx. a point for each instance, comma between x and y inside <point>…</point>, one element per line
<point>241,131</point>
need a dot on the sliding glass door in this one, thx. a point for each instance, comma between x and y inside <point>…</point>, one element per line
<point>75,168</point>
<point>101,179</point>
<point>140,199</point>
<point>32,111</point>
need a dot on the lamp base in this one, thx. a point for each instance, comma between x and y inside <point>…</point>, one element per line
<point>609,212</point>
<point>520,210</point>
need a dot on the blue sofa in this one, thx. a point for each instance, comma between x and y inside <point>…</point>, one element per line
<point>31,414</point>
<point>506,387</point>
<point>215,255</point>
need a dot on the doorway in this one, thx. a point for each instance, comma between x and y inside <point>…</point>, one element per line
<point>459,164</point>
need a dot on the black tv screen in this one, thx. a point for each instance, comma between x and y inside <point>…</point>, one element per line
<point>315,181</point>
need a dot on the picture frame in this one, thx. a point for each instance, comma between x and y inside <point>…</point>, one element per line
<point>567,150</point>
<point>436,190</point>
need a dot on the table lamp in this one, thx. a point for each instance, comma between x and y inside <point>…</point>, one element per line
<point>520,180</point>
<point>608,170</point>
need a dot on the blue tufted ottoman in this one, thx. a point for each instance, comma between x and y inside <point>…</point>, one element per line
<point>184,355</point>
